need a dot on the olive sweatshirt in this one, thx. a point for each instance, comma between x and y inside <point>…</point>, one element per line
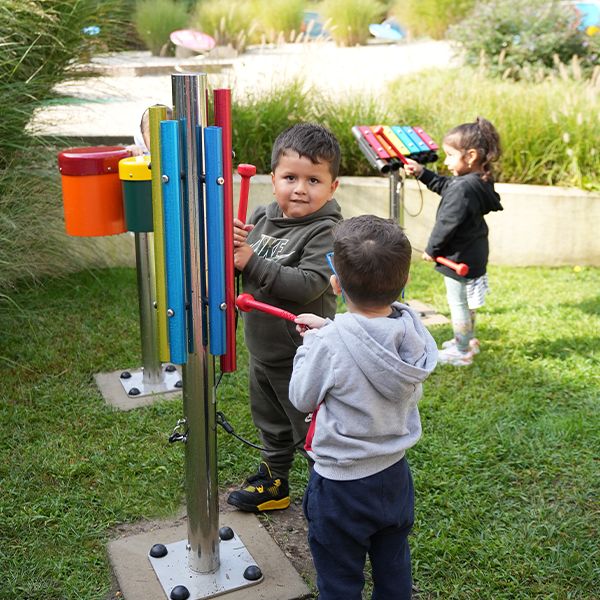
<point>289,270</point>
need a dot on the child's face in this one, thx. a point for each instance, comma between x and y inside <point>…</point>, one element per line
<point>301,187</point>
<point>459,162</point>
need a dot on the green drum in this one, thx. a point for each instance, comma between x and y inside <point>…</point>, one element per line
<point>136,180</point>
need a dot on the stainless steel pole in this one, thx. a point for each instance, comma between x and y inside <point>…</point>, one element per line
<point>144,258</point>
<point>199,394</point>
<point>397,196</point>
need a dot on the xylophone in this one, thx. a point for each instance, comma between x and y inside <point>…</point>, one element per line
<point>387,147</point>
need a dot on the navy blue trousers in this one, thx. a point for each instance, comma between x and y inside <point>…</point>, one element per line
<point>348,520</point>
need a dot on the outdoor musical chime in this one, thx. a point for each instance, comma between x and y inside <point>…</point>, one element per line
<point>194,308</point>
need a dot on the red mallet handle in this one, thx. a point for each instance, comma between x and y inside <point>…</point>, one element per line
<point>245,172</point>
<point>460,268</point>
<point>246,303</point>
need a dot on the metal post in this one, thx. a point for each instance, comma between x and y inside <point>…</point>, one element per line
<point>397,196</point>
<point>199,397</point>
<point>144,258</point>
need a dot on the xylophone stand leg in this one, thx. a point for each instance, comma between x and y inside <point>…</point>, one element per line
<point>397,196</point>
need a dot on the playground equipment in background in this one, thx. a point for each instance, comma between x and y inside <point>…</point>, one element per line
<point>192,214</point>
<point>386,148</point>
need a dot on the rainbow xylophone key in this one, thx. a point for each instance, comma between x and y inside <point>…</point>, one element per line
<point>387,147</point>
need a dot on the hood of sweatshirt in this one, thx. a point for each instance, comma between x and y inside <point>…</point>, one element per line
<point>488,198</point>
<point>391,353</point>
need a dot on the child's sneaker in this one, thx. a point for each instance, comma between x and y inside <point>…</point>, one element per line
<point>473,345</point>
<point>453,356</point>
<point>262,492</point>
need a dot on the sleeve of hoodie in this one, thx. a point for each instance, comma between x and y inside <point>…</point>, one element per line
<point>312,376</point>
<point>452,212</point>
<point>434,182</point>
<point>302,283</point>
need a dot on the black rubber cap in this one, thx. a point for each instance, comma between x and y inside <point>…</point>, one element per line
<point>226,533</point>
<point>158,551</point>
<point>180,592</point>
<point>252,573</point>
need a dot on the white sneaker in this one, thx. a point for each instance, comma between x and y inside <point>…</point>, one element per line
<point>453,356</point>
<point>473,345</point>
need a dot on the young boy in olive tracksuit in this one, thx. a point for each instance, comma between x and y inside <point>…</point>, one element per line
<point>281,253</point>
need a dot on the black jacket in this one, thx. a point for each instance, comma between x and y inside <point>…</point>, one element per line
<point>460,232</point>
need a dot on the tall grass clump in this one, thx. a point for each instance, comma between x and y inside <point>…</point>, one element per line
<point>549,130</point>
<point>350,19</point>
<point>515,38</point>
<point>42,41</point>
<point>279,19</point>
<point>231,23</point>
<point>430,18</point>
<point>156,19</point>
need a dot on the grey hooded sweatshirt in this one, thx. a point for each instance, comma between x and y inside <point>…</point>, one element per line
<point>365,377</point>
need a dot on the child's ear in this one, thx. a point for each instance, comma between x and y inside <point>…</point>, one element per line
<point>335,284</point>
<point>334,186</point>
<point>472,156</point>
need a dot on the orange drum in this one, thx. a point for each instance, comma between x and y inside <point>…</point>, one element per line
<point>92,194</point>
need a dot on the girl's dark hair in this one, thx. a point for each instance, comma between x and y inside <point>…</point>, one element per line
<point>372,259</point>
<point>313,141</point>
<point>480,135</point>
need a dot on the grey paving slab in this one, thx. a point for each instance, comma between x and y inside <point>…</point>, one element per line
<point>114,394</point>
<point>138,581</point>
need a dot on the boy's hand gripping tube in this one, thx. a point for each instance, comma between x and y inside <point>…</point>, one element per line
<point>461,268</point>
<point>246,172</point>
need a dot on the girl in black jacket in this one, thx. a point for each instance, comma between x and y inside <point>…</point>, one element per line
<point>460,232</point>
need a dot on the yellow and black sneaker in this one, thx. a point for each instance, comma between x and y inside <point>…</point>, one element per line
<point>262,492</point>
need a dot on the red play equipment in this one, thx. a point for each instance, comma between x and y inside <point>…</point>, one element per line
<point>246,172</point>
<point>461,268</point>
<point>246,303</point>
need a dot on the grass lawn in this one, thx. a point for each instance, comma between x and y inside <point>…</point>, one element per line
<point>506,473</point>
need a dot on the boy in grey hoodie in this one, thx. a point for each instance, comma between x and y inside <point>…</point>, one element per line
<point>361,375</point>
<point>281,255</point>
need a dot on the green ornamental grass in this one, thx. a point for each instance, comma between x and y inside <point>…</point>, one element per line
<point>156,19</point>
<point>350,19</point>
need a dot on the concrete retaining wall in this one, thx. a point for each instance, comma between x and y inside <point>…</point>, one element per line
<point>539,226</point>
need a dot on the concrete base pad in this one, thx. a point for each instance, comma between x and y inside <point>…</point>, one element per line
<point>137,580</point>
<point>427,314</point>
<point>114,393</point>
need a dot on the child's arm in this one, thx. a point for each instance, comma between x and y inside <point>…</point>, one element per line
<point>312,376</point>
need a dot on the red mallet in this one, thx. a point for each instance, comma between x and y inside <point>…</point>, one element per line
<point>460,268</point>
<point>246,172</point>
<point>246,303</point>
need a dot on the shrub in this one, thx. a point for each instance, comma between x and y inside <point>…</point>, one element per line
<point>430,17</point>
<point>350,19</point>
<point>513,38</point>
<point>156,19</point>
<point>230,23</point>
